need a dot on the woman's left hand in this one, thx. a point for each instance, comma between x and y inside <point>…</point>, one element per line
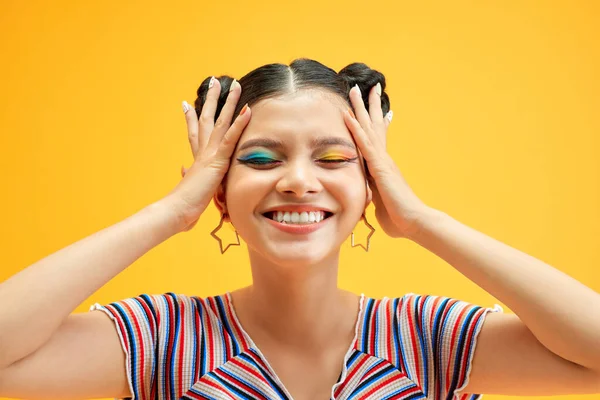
<point>397,208</point>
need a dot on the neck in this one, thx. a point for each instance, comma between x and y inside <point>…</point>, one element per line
<point>299,305</point>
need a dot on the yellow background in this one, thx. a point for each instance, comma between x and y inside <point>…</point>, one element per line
<point>496,123</point>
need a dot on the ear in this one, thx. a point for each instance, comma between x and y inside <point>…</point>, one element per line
<point>219,200</point>
<point>369,195</point>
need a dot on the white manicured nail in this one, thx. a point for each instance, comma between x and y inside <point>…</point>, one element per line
<point>212,82</point>
<point>389,115</point>
<point>378,88</point>
<point>358,89</point>
<point>235,82</point>
<point>186,107</point>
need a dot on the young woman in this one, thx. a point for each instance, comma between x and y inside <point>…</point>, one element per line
<point>294,185</point>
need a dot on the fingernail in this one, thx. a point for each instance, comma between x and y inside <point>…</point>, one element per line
<point>186,107</point>
<point>233,84</point>
<point>389,115</point>
<point>378,88</point>
<point>357,88</point>
<point>351,113</point>
<point>244,109</point>
<point>212,82</point>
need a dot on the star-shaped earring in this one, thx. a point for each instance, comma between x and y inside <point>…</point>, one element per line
<point>364,218</point>
<point>214,234</point>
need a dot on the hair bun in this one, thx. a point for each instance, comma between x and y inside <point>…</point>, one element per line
<point>360,74</point>
<point>202,91</point>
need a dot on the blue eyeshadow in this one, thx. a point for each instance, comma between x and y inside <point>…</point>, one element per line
<point>257,155</point>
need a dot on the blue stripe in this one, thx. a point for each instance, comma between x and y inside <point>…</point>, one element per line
<point>376,330</point>
<point>175,331</point>
<point>233,388</point>
<point>223,317</point>
<point>395,334</point>
<point>203,356</point>
<point>411,385</point>
<point>156,351</point>
<point>418,318</point>
<point>195,338</point>
<point>264,373</point>
<point>459,350</point>
<point>365,342</point>
<point>403,342</point>
<point>132,346</point>
<point>437,340</point>
<point>373,379</point>
<point>245,382</point>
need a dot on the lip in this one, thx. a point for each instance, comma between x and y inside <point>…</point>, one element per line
<point>297,208</point>
<point>298,229</point>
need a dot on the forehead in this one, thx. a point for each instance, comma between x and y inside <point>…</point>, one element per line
<point>298,116</point>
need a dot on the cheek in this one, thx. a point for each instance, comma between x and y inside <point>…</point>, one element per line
<point>348,187</point>
<point>245,189</point>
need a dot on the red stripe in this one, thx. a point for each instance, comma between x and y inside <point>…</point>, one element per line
<point>452,345</point>
<point>388,381</point>
<point>467,345</point>
<point>352,372</point>
<point>259,361</point>
<point>141,350</point>
<point>181,354</point>
<point>373,371</point>
<point>236,382</point>
<point>251,371</point>
<point>209,342</point>
<point>388,331</point>
<point>236,327</point>
<point>153,332</point>
<point>198,341</point>
<point>371,343</point>
<point>209,382</point>
<point>121,325</point>
<point>413,340</point>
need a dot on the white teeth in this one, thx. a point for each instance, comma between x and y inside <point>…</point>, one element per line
<point>303,217</point>
<point>297,218</point>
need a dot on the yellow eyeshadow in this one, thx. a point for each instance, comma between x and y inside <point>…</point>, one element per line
<point>333,155</point>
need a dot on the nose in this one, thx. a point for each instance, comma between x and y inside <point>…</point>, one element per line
<point>299,178</point>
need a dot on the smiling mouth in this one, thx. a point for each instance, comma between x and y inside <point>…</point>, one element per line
<point>297,218</point>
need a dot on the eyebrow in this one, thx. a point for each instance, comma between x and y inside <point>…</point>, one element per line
<point>315,143</point>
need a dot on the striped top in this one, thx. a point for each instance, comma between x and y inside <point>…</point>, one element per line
<point>186,347</point>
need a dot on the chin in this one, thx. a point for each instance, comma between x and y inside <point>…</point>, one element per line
<point>298,254</point>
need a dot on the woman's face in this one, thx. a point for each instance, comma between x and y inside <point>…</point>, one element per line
<point>296,152</point>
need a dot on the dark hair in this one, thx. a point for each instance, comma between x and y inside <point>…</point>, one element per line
<point>276,79</point>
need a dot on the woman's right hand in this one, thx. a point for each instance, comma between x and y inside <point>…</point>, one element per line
<point>212,145</point>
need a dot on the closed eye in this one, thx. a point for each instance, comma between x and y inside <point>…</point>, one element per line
<point>257,161</point>
<point>264,161</point>
<point>337,160</point>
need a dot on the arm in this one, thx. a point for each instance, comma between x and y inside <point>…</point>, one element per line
<point>83,359</point>
<point>557,323</point>
<point>50,289</point>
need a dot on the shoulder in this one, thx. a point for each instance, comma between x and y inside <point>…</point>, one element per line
<point>163,311</point>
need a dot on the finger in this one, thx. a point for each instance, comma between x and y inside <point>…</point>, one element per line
<point>375,105</point>
<point>362,115</point>
<point>224,121</point>
<point>388,118</point>
<point>231,137</point>
<point>191,120</point>
<point>364,142</point>
<point>206,121</point>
